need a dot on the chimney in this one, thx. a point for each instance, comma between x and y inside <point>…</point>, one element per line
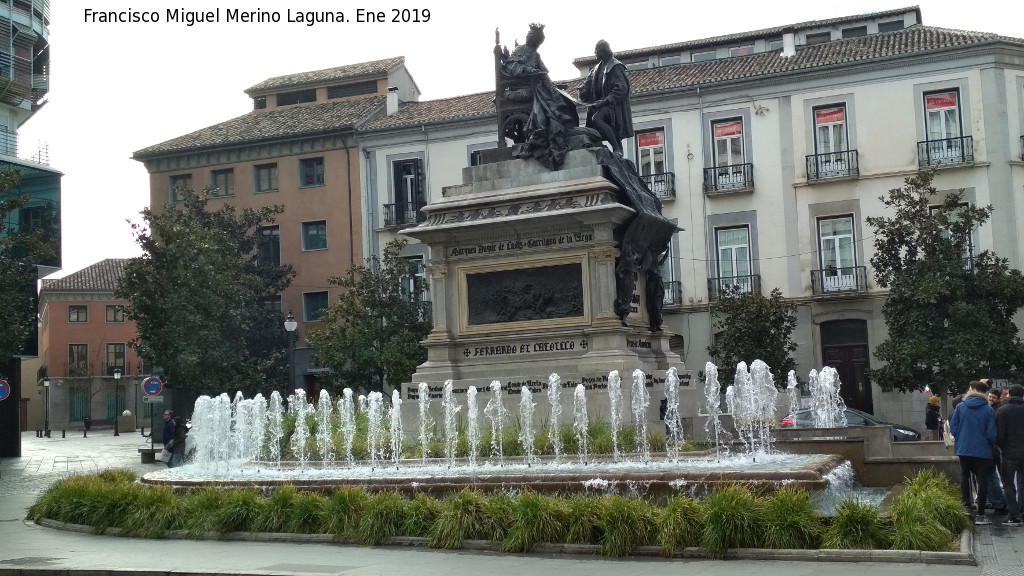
<point>392,100</point>
<point>788,42</point>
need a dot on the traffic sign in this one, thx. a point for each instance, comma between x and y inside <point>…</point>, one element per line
<point>152,386</point>
<point>5,390</point>
<point>152,399</point>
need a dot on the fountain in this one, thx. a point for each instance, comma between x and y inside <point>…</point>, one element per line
<point>255,455</point>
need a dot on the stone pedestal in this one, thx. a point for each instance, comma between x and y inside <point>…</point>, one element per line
<point>523,283</point>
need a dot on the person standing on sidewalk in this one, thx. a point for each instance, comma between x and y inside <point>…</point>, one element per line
<point>1010,439</point>
<point>932,420</point>
<point>973,424</point>
<point>996,496</point>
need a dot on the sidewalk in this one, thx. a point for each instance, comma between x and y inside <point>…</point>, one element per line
<point>30,550</point>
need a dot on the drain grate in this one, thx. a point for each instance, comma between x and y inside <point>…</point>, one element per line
<point>29,560</point>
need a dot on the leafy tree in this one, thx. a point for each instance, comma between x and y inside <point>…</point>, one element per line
<point>371,334</point>
<point>949,313</point>
<point>198,297</point>
<point>20,251</point>
<point>754,327</point>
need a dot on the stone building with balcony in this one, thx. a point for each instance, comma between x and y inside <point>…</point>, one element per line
<point>84,340</point>
<point>296,148</point>
<point>769,148</point>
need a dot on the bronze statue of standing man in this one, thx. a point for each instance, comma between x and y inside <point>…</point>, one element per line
<point>606,89</point>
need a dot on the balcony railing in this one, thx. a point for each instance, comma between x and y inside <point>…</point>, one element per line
<point>663,185</point>
<point>833,165</point>
<point>673,294</point>
<point>735,177</point>
<point>724,287</point>
<point>403,214</point>
<point>945,151</point>
<point>839,280</point>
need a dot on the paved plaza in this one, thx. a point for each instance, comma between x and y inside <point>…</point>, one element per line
<point>30,550</point>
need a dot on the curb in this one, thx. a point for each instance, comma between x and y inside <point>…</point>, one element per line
<point>965,557</point>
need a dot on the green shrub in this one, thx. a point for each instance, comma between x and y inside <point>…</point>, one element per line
<point>733,518</point>
<point>499,511</point>
<point>240,512</point>
<point>939,499</point>
<point>384,516</point>
<point>791,521</point>
<point>463,518</point>
<point>584,521</point>
<point>856,526</point>
<point>343,511</point>
<point>307,514</point>
<point>916,523</point>
<point>118,476</point>
<point>680,524</point>
<point>627,523</point>
<point>200,508</point>
<point>423,513</point>
<point>153,511</point>
<point>536,519</point>
<point>274,516</point>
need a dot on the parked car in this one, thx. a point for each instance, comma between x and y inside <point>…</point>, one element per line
<point>900,433</point>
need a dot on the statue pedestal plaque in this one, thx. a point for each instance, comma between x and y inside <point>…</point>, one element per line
<point>523,283</point>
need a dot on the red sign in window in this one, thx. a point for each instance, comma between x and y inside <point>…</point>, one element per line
<point>830,116</point>
<point>727,130</point>
<point>648,139</point>
<point>939,101</point>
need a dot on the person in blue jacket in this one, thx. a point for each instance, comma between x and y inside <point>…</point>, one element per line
<point>973,424</point>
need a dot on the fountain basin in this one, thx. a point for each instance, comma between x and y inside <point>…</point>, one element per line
<point>695,475</point>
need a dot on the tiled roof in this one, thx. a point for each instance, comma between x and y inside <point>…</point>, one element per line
<point>914,40</point>
<point>349,72</point>
<point>103,276</point>
<point>740,36</point>
<point>275,124</point>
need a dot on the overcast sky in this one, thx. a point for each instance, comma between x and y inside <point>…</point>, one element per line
<point>119,87</point>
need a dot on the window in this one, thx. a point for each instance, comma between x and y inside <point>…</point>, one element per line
<point>356,89</point>
<point>733,245</point>
<point>819,38</point>
<point>650,155</point>
<point>409,193</point>
<point>774,44</point>
<point>314,235</point>
<point>313,305</point>
<point>78,313</point>
<point>222,182</point>
<point>728,153</point>
<point>944,144</point>
<point>642,65</point>
<point>741,50</point>
<point>264,178</point>
<point>78,360</point>
<point>179,182</point>
<point>838,258</point>
<point>115,313</point>
<point>669,60</point>
<point>830,143</point>
<point>115,358</point>
<point>414,282</point>
<point>702,56</point>
<point>311,172</point>
<point>947,233</point>
<point>268,248</point>
<point>855,32</point>
<point>890,26</point>
<point>259,103</point>
<point>297,97</point>
<point>271,303</point>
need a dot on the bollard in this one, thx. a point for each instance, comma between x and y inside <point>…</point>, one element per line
<point>62,431</point>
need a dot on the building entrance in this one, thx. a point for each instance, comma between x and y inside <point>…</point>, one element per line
<point>844,346</point>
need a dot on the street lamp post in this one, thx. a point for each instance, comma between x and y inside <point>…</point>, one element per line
<point>46,407</point>
<point>117,399</point>
<point>290,325</point>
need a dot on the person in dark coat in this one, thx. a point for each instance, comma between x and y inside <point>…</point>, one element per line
<point>973,424</point>
<point>168,427</point>
<point>177,444</point>
<point>606,89</point>
<point>1010,439</point>
<point>932,420</point>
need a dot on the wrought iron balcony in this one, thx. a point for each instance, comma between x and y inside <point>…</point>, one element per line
<point>945,151</point>
<point>403,214</point>
<point>736,177</point>
<point>663,185</point>
<point>724,287</point>
<point>673,294</point>
<point>839,280</point>
<point>833,165</point>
